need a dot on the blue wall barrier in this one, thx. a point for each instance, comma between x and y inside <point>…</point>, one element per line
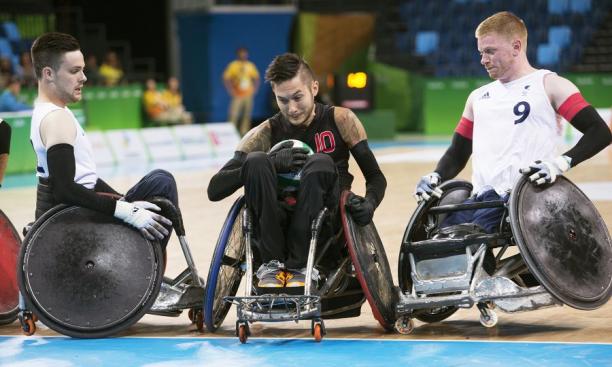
<point>208,42</point>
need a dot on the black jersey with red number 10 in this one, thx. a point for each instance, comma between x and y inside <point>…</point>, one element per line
<point>322,135</point>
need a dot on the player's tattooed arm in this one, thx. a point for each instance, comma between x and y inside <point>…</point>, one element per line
<point>350,127</point>
<point>257,139</point>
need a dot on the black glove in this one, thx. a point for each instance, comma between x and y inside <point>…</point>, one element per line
<point>361,209</point>
<point>288,159</point>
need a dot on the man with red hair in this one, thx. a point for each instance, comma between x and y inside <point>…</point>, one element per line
<point>509,126</point>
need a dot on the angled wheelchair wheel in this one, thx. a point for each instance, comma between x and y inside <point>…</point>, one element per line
<point>225,270</point>
<point>564,241</point>
<point>10,242</point>
<point>371,266</point>
<point>453,192</point>
<point>86,274</point>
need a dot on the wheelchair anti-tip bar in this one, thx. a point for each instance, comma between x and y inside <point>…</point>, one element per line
<point>467,206</point>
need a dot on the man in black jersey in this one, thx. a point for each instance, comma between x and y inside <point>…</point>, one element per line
<point>5,147</point>
<point>332,132</point>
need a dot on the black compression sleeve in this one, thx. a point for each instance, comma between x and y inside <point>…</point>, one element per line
<point>60,159</point>
<point>227,180</point>
<point>596,136</point>
<point>376,183</point>
<point>5,137</point>
<point>455,158</point>
<point>102,186</point>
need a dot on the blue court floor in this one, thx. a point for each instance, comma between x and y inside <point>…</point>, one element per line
<point>226,352</point>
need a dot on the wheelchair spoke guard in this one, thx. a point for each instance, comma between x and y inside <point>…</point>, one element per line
<point>9,251</point>
<point>371,266</point>
<point>564,241</point>
<point>86,274</point>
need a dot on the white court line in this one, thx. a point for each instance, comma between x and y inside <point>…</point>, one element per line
<point>425,155</point>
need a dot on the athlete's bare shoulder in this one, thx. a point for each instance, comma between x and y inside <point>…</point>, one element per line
<point>558,89</point>
<point>258,139</point>
<point>350,126</point>
<point>58,127</point>
<point>468,110</point>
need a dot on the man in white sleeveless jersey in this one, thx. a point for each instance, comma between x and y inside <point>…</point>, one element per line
<point>510,127</point>
<point>66,168</point>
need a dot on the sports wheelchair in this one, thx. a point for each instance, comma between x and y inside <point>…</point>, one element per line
<point>351,264</point>
<point>9,248</point>
<point>564,255</point>
<point>88,275</point>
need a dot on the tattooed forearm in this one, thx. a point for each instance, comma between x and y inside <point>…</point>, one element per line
<point>349,125</point>
<point>256,140</point>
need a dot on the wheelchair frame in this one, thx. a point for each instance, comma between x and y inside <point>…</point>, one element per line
<point>432,300</point>
<point>253,307</point>
<point>283,307</point>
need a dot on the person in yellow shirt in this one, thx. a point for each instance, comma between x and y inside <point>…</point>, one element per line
<point>241,79</point>
<point>173,101</point>
<point>111,71</point>
<point>165,107</point>
<point>152,101</point>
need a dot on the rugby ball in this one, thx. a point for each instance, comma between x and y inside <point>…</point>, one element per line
<point>291,180</point>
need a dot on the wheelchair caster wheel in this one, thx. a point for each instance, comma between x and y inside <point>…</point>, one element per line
<point>28,323</point>
<point>317,329</point>
<point>242,331</point>
<point>488,319</point>
<point>196,316</point>
<point>404,325</point>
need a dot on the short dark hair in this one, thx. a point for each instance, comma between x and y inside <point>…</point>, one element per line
<point>285,67</point>
<point>48,50</point>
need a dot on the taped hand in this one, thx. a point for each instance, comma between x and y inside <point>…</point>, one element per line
<point>541,172</point>
<point>427,187</point>
<point>138,214</point>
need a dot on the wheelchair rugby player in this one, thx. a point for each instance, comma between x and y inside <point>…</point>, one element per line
<point>510,129</point>
<point>294,167</point>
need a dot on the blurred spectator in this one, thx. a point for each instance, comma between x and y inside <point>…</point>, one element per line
<point>165,107</point>
<point>152,100</point>
<point>111,71</point>
<point>92,71</point>
<point>241,80</point>
<point>173,99</point>
<point>6,71</point>
<point>27,75</point>
<point>9,99</point>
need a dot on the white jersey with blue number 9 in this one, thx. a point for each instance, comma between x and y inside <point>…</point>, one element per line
<point>514,124</point>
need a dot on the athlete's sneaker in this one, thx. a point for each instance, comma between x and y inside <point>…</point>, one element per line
<point>271,275</point>
<point>295,278</point>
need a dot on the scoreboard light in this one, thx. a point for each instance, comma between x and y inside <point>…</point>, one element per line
<point>357,80</point>
<point>354,90</point>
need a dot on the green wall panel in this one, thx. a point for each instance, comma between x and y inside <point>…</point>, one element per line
<point>379,124</point>
<point>444,98</point>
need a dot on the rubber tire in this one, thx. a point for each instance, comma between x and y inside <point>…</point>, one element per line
<point>215,314</point>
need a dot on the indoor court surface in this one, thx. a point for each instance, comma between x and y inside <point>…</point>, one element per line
<point>559,336</point>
